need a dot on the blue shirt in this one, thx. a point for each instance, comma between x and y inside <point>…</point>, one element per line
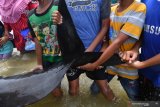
<point>86,16</point>
<point>151,40</point>
<point>6,48</point>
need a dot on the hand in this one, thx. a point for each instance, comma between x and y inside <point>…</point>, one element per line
<point>57,17</point>
<point>129,56</point>
<point>88,50</point>
<point>135,64</point>
<point>3,40</point>
<point>90,67</point>
<point>38,68</point>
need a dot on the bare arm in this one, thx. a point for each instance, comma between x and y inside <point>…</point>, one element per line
<point>152,61</point>
<point>38,52</point>
<point>109,51</point>
<point>121,38</point>
<point>155,60</point>
<point>100,36</point>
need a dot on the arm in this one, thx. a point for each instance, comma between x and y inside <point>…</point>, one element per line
<point>126,32</point>
<point>147,63</point>
<point>5,37</point>
<point>105,45</point>
<point>109,51</point>
<point>104,16</point>
<point>38,49</point>
<point>132,55</point>
<point>100,36</point>
<point>38,52</point>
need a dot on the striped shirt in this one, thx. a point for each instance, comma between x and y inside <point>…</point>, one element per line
<point>130,22</point>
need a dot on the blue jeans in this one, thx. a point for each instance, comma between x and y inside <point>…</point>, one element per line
<point>130,86</point>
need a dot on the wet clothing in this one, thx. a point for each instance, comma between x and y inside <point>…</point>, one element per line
<point>150,41</point>
<point>46,33</point>
<point>131,18</point>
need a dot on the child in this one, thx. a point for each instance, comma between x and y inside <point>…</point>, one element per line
<point>149,72</point>
<point>45,36</point>
<point>14,16</point>
<point>126,23</point>
<point>6,49</point>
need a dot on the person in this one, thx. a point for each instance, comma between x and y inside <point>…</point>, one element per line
<point>6,49</point>
<point>149,58</point>
<point>44,33</point>
<point>91,20</point>
<point>126,16</point>
<point>14,16</point>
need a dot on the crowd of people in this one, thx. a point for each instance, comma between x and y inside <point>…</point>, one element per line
<point>123,26</point>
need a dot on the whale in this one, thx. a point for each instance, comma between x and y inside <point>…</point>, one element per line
<point>21,90</point>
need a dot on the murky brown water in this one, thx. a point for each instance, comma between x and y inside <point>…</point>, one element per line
<point>18,64</point>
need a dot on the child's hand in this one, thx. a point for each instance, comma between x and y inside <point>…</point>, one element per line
<point>38,68</point>
<point>135,64</point>
<point>90,67</point>
<point>129,56</point>
<point>3,40</point>
<point>57,17</point>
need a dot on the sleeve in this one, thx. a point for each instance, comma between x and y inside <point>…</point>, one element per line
<point>31,30</point>
<point>134,25</point>
<point>105,9</point>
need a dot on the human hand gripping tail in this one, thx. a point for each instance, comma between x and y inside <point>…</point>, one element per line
<point>90,67</point>
<point>130,57</point>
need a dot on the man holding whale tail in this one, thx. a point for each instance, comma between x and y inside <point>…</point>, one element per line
<point>126,23</point>
<point>91,21</point>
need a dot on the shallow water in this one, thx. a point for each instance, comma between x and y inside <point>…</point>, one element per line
<point>22,64</point>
